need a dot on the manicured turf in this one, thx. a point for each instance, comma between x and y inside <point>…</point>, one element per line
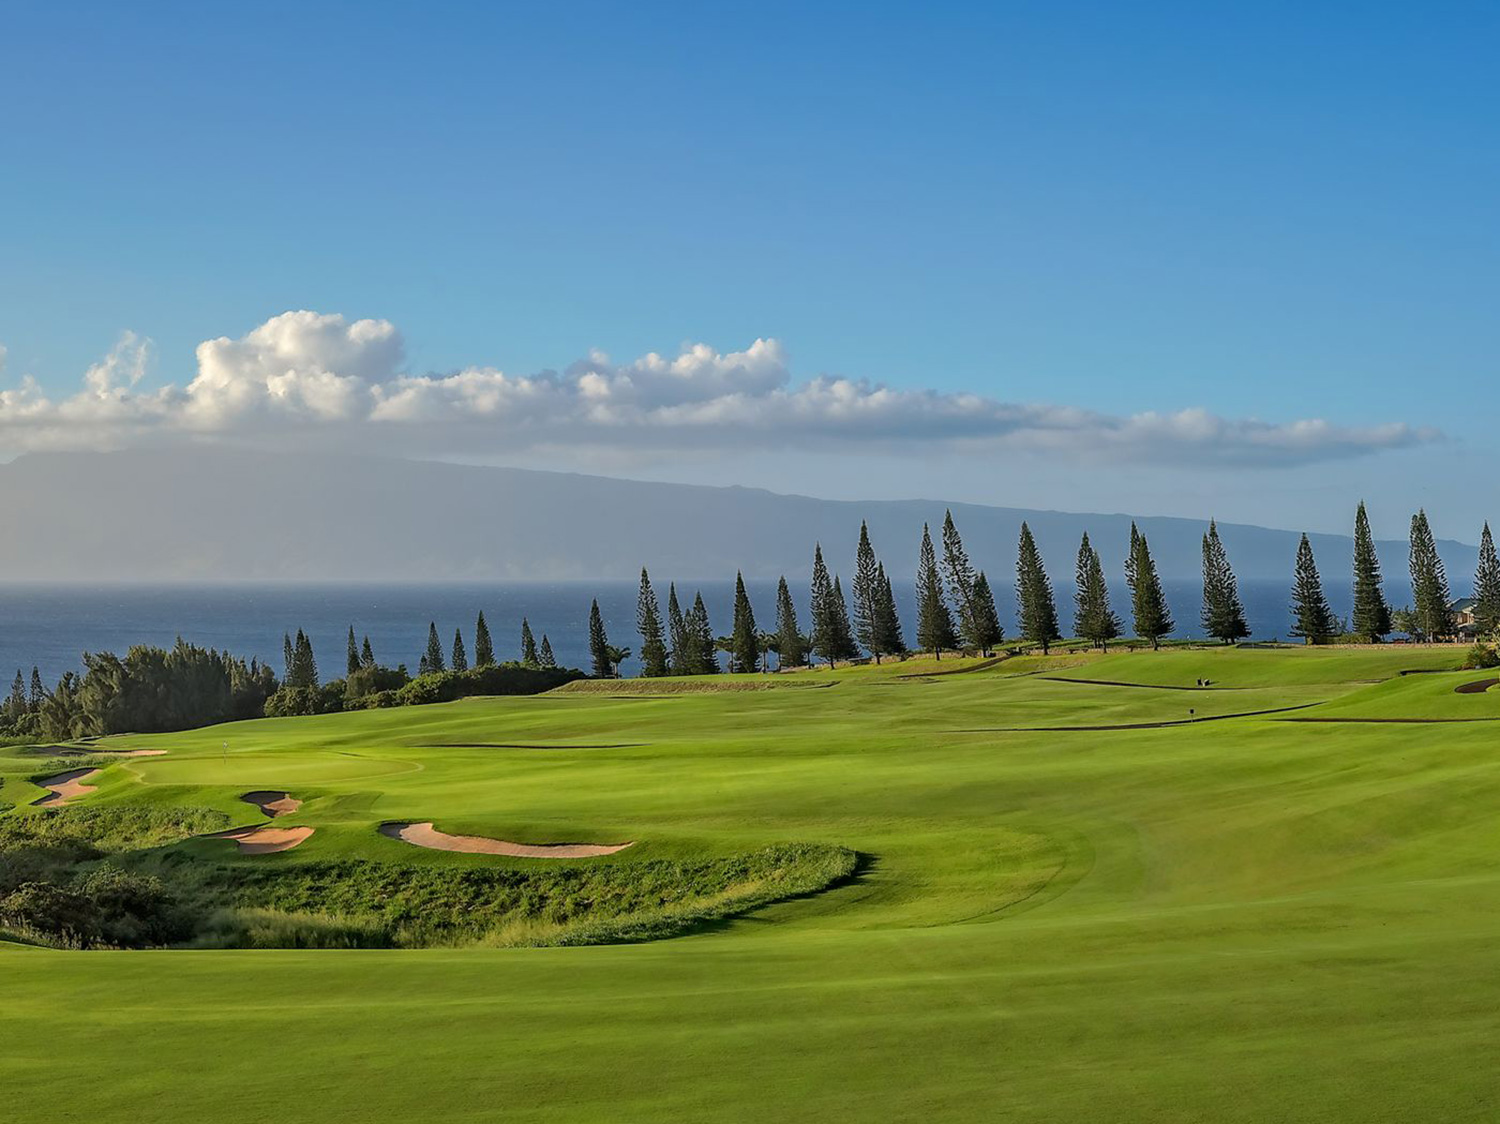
<point>1246,919</point>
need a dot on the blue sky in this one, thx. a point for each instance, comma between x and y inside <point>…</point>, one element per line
<point>1271,211</point>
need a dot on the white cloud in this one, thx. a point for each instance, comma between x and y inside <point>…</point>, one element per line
<point>342,380</point>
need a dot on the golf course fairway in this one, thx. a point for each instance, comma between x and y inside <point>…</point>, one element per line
<point>1088,890</point>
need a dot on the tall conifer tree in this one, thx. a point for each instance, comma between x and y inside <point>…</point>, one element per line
<point>545,658</point>
<point>988,632</point>
<point>958,572</point>
<point>789,643</point>
<point>304,666</point>
<point>824,622</point>
<point>684,653</point>
<point>706,651</point>
<point>366,654</point>
<point>844,646</point>
<point>288,658</point>
<point>15,706</point>
<point>604,667</point>
<point>1038,610</point>
<point>891,642</point>
<point>653,636</point>
<point>934,621</point>
<point>744,637</point>
<point>1093,620</point>
<point>1148,603</point>
<point>528,644</point>
<point>460,658</point>
<point>1313,619</point>
<point>1429,582</point>
<point>432,659</point>
<point>484,647</point>
<point>866,590</point>
<point>1372,613</point>
<point>1223,614</point>
<point>351,662</point>
<point>1487,586</point>
<point>38,692</point>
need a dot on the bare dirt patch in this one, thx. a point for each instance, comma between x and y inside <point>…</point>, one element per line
<point>425,835</point>
<point>65,786</point>
<point>272,802</point>
<point>264,840</point>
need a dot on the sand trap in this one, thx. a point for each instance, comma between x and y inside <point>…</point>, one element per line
<point>264,840</point>
<point>69,751</point>
<point>65,786</point>
<point>425,835</point>
<point>272,803</point>
<point>1477,687</point>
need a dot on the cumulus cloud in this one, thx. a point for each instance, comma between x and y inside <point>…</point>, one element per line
<point>344,381</point>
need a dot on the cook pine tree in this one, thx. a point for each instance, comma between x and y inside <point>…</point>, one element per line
<point>866,590</point>
<point>1487,586</point>
<point>545,658</point>
<point>599,650</point>
<point>681,658</point>
<point>1429,582</point>
<point>1093,619</point>
<point>484,647</point>
<point>988,632</point>
<point>351,662</point>
<point>1372,613</point>
<point>528,644</point>
<point>790,646</point>
<point>1313,619</point>
<point>888,619</point>
<point>705,648</point>
<point>1151,617</point>
<point>935,632</point>
<point>744,637</point>
<point>1223,614</point>
<point>832,637</point>
<point>654,657</point>
<point>459,661</point>
<point>1038,609</point>
<point>432,660</point>
<point>958,573</point>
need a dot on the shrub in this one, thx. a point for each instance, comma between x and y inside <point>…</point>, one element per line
<point>373,680</point>
<point>107,906</point>
<point>1480,656</point>
<point>292,701</point>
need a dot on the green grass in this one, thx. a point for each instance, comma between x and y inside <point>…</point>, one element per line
<point>1249,919</point>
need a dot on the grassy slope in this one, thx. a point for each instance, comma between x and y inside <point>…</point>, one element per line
<point>1244,920</point>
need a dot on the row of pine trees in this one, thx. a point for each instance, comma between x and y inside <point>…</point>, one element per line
<point>302,667</point>
<point>956,606</point>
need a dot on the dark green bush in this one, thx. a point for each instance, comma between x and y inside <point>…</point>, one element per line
<point>1480,656</point>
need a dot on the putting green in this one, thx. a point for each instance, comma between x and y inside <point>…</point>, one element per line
<point>1242,919</point>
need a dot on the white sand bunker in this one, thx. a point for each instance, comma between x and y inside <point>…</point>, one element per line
<point>425,835</point>
<point>65,786</point>
<point>264,840</point>
<point>273,803</point>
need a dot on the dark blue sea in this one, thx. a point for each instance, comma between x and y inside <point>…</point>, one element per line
<point>51,626</point>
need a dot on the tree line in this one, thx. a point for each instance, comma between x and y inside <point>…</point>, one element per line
<point>157,690</point>
<point>955,605</point>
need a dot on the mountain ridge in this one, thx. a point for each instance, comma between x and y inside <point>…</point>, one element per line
<point>199,514</point>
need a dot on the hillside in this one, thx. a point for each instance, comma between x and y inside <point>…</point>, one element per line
<point>225,515</point>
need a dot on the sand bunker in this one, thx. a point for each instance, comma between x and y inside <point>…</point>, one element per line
<point>65,786</point>
<point>70,751</point>
<point>264,840</point>
<point>272,803</point>
<point>425,835</point>
<point>1477,687</point>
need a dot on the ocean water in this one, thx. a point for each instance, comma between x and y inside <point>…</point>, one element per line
<point>51,626</point>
